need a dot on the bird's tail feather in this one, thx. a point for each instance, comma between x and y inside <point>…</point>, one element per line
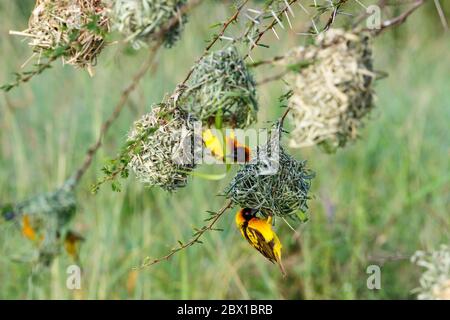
<point>283,270</point>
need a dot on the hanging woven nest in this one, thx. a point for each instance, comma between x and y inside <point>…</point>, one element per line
<point>165,152</point>
<point>141,20</point>
<point>221,88</point>
<point>74,29</point>
<point>332,89</point>
<point>435,280</point>
<point>273,182</point>
<point>43,220</point>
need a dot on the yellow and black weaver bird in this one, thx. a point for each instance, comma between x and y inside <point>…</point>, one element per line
<point>234,150</point>
<point>260,235</point>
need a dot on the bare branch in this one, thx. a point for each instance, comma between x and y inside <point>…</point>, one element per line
<point>232,19</point>
<point>116,112</point>
<point>399,19</point>
<point>275,77</point>
<point>195,239</point>
<point>437,3</point>
<point>129,89</point>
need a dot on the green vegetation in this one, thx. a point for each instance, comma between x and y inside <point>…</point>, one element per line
<point>375,202</point>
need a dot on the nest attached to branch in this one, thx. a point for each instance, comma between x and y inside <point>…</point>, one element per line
<point>222,87</point>
<point>77,27</point>
<point>44,219</point>
<point>332,90</point>
<point>273,182</point>
<point>140,20</point>
<point>435,280</point>
<point>165,153</point>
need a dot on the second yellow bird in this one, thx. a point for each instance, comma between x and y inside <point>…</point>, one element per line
<point>260,235</point>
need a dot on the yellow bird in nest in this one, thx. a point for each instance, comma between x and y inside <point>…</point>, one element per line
<point>238,152</point>
<point>71,240</point>
<point>260,235</point>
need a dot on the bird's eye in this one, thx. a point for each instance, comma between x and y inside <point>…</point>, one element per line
<point>9,215</point>
<point>248,213</point>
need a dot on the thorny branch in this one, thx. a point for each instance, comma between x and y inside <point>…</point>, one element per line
<point>26,76</point>
<point>270,26</point>
<point>385,25</point>
<point>129,89</point>
<point>399,19</point>
<point>216,216</point>
<point>116,112</point>
<point>275,77</point>
<point>333,14</point>
<point>195,239</point>
<point>225,26</point>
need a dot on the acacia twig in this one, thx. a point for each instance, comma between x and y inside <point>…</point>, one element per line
<point>399,19</point>
<point>441,14</point>
<point>116,112</point>
<point>386,24</point>
<point>129,89</point>
<point>225,26</point>
<point>269,27</point>
<point>27,75</point>
<point>275,77</point>
<point>333,14</point>
<point>195,239</point>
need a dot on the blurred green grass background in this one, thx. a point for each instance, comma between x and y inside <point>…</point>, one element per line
<point>386,195</point>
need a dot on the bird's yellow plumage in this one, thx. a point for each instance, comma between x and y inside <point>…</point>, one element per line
<point>233,149</point>
<point>258,232</point>
<point>27,229</point>
<point>71,244</point>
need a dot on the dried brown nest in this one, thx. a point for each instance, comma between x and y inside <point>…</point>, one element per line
<point>165,155</point>
<point>72,29</point>
<point>332,89</point>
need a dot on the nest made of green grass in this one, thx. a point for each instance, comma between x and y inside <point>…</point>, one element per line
<point>276,186</point>
<point>49,215</point>
<point>222,89</point>
<point>140,20</point>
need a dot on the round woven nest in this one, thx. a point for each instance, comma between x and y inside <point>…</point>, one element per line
<point>48,215</point>
<point>140,20</point>
<point>332,89</point>
<point>221,88</point>
<point>435,280</point>
<point>75,27</point>
<point>165,154</point>
<point>275,185</point>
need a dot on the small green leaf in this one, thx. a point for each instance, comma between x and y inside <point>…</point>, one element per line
<point>116,186</point>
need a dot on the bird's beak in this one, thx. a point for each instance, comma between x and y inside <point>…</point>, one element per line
<point>254,211</point>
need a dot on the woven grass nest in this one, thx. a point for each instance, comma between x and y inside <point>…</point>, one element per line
<point>435,280</point>
<point>332,89</point>
<point>47,215</point>
<point>77,27</point>
<point>275,186</point>
<point>140,20</point>
<point>221,87</point>
<point>166,142</point>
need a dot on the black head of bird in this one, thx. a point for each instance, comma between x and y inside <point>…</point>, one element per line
<point>248,213</point>
<point>7,212</point>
